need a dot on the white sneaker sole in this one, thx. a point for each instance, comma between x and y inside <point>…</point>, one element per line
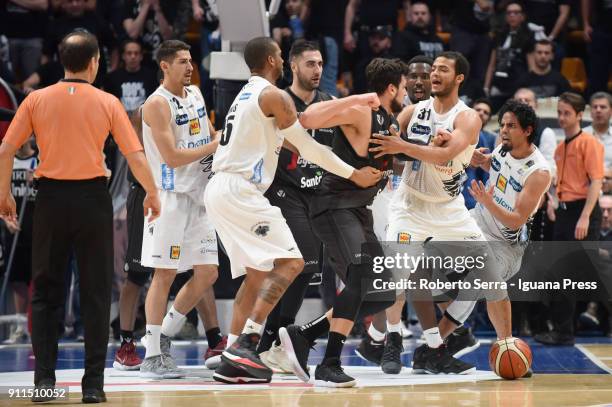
<point>290,352</point>
<point>238,380</point>
<point>323,383</point>
<point>153,375</point>
<point>124,368</point>
<point>213,362</point>
<point>467,350</point>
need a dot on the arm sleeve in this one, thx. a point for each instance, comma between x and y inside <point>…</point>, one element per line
<point>122,129</point>
<point>594,159</point>
<point>315,152</point>
<point>21,126</point>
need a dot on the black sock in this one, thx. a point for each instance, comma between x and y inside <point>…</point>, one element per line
<point>126,336</point>
<point>213,336</point>
<point>315,329</point>
<point>335,342</point>
<point>270,335</point>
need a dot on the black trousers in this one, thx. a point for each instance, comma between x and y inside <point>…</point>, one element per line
<point>67,215</point>
<point>563,306</point>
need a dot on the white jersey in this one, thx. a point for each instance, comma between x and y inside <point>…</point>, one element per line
<point>190,129</point>
<point>427,181</point>
<point>508,175</point>
<point>251,143</point>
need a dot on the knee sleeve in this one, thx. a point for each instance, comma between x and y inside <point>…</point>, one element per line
<point>459,311</point>
<point>138,278</point>
<point>347,303</point>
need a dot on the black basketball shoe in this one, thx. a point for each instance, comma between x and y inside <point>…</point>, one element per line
<point>371,350</point>
<point>461,342</point>
<point>297,348</point>
<point>391,358</point>
<point>242,355</point>
<point>438,360</point>
<point>330,374</point>
<point>227,373</point>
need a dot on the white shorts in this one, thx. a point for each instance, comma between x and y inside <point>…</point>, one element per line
<point>380,213</point>
<point>182,237</point>
<point>252,231</point>
<point>413,219</point>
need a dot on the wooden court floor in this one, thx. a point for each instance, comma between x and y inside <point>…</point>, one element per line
<point>540,390</point>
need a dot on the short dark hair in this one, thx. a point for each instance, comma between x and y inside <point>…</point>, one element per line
<point>524,113</point>
<point>257,51</point>
<point>125,43</point>
<point>575,100</point>
<point>545,41</point>
<point>382,72</point>
<point>601,95</point>
<point>301,46</point>
<point>420,59</point>
<point>168,49</point>
<point>485,101</point>
<point>76,50</point>
<point>462,66</point>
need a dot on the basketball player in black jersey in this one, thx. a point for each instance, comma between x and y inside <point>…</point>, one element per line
<point>342,220</point>
<point>292,190</point>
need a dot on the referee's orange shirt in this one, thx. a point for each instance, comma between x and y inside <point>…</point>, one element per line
<point>71,121</point>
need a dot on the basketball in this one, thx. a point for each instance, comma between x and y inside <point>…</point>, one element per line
<point>510,358</point>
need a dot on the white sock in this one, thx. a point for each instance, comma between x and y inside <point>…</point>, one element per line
<point>394,327</point>
<point>231,338</point>
<point>151,340</point>
<point>432,337</point>
<point>172,323</point>
<point>252,327</point>
<point>376,334</point>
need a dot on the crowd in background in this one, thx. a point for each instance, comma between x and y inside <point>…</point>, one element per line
<point>528,50</point>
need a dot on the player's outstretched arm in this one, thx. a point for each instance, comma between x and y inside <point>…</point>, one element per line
<point>528,200</point>
<point>467,127</point>
<point>336,112</point>
<point>157,115</point>
<point>274,102</point>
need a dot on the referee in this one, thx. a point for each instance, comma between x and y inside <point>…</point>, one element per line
<point>73,209</point>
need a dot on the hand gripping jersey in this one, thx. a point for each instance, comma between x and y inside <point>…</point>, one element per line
<point>336,192</point>
<point>427,181</point>
<point>250,143</point>
<point>508,175</point>
<point>190,129</point>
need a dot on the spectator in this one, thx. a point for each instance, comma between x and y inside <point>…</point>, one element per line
<point>470,33</point>
<point>24,164</point>
<point>580,163</point>
<point>486,140</point>
<point>75,16</point>
<point>605,202</point>
<point>379,46</point>
<point>206,13</point>
<point>326,25</point>
<point>545,138</point>
<point>551,16</point>
<point>508,61</point>
<point>370,13</point>
<point>112,11</point>
<point>23,23</point>
<point>132,83</point>
<point>597,23</point>
<point>47,74</point>
<point>6,68</point>
<point>150,22</point>
<point>601,112</point>
<point>543,80</point>
<point>418,38</point>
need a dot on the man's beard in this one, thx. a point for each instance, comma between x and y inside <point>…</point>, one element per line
<point>506,147</point>
<point>396,106</point>
<point>305,83</point>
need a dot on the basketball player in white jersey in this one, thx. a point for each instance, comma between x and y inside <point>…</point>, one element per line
<point>519,176</point>
<point>376,347</point>
<point>177,137</point>
<point>428,203</point>
<point>252,231</point>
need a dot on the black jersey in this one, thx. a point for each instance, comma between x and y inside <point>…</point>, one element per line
<point>294,170</point>
<point>336,192</point>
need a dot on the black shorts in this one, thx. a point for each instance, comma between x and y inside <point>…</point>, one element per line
<point>135,225</point>
<point>294,205</point>
<point>348,237</point>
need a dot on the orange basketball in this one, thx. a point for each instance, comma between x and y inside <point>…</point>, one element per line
<point>510,358</point>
